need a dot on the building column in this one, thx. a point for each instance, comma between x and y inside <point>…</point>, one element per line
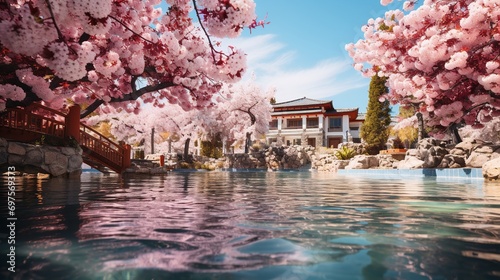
<point>280,120</point>
<point>320,122</point>
<point>304,122</point>
<point>345,126</point>
<point>325,134</point>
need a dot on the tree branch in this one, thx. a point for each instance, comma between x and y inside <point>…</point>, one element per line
<point>129,29</point>
<point>59,33</point>
<point>128,97</point>
<point>204,30</point>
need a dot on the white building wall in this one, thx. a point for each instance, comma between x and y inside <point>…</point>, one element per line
<point>345,127</point>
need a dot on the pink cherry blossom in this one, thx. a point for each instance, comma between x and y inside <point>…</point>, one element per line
<point>111,52</point>
<point>442,56</point>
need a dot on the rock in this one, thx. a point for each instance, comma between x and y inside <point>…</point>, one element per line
<point>452,161</point>
<point>340,164</point>
<point>491,169</point>
<point>69,151</point>
<point>16,149</point>
<point>410,163</point>
<point>412,153</point>
<point>433,156</point>
<point>466,145</point>
<point>16,159</point>
<point>75,163</point>
<point>386,161</point>
<point>34,157</point>
<point>57,170</point>
<point>458,152</point>
<point>3,142</point>
<point>4,156</point>
<point>363,162</point>
<point>480,155</point>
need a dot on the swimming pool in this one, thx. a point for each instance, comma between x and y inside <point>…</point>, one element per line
<point>255,225</point>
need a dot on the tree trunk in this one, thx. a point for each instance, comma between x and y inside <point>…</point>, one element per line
<point>247,142</point>
<point>153,140</point>
<point>186,150</point>
<point>455,136</point>
<point>421,132</point>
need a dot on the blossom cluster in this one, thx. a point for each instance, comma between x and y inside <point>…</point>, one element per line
<point>228,116</point>
<point>113,50</point>
<point>441,57</point>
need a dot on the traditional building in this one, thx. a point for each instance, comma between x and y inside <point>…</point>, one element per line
<point>313,122</point>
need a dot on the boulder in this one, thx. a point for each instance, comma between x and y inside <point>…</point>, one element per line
<point>465,147</point>
<point>452,161</point>
<point>491,169</point>
<point>386,161</point>
<point>58,169</point>
<point>433,156</point>
<point>340,164</point>
<point>362,162</point>
<point>410,163</point>
<point>16,149</point>
<point>480,155</point>
<point>34,157</point>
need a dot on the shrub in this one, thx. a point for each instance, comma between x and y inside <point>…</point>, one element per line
<point>345,153</point>
<point>198,165</point>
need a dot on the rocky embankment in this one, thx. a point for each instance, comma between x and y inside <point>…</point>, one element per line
<point>430,153</point>
<point>27,158</point>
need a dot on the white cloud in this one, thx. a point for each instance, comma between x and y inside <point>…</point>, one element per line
<point>274,66</point>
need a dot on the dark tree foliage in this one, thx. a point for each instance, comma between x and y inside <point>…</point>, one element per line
<point>375,129</point>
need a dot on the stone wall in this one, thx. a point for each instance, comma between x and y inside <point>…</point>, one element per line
<point>430,153</point>
<point>27,158</point>
<point>271,158</point>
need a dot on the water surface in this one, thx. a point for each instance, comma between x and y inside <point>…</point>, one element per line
<point>255,225</point>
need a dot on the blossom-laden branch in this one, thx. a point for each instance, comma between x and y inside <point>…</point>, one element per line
<point>443,56</point>
<point>98,52</point>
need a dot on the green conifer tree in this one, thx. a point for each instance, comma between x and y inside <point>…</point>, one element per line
<point>375,129</point>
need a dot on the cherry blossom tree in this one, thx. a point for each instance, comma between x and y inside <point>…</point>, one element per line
<point>243,113</point>
<point>93,52</point>
<point>443,57</point>
<point>137,128</point>
<point>237,112</point>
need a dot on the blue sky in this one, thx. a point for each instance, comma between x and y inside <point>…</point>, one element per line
<point>301,52</point>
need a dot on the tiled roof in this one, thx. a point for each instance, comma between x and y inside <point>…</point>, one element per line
<point>300,102</point>
<point>346,110</point>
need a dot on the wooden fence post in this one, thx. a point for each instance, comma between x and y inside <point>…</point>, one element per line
<point>126,162</point>
<point>72,123</point>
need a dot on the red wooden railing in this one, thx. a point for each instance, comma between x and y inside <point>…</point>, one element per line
<point>25,120</point>
<point>31,123</point>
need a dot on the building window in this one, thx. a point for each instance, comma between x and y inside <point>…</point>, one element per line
<point>297,141</point>
<point>311,142</point>
<point>312,123</point>
<point>294,123</point>
<point>354,128</point>
<point>335,124</point>
<point>273,124</point>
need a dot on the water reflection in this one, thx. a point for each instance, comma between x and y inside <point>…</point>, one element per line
<point>257,226</point>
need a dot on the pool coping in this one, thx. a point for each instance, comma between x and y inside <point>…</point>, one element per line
<point>445,173</point>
